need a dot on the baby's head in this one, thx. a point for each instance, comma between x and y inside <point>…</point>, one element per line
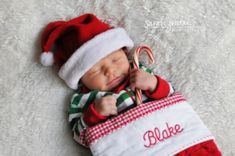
<point>88,50</point>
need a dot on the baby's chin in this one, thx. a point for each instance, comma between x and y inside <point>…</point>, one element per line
<point>115,86</point>
<point>112,86</point>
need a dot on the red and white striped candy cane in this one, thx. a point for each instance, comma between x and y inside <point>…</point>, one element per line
<point>137,53</point>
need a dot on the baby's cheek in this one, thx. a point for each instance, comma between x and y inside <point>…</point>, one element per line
<point>124,67</point>
<point>100,83</point>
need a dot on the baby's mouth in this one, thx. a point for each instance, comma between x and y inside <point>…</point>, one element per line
<point>116,81</point>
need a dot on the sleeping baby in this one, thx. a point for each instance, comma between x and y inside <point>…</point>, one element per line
<point>93,60</point>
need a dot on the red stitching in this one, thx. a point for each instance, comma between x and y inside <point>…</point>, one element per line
<point>153,136</point>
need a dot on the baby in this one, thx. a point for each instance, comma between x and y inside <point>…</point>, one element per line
<point>93,59</point>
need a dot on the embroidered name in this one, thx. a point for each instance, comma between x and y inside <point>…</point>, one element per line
<point>156,135</point>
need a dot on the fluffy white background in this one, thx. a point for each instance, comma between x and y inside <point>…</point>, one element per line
<point>194,46</point>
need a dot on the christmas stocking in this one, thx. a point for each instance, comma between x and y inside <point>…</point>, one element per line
<point>159,128</point>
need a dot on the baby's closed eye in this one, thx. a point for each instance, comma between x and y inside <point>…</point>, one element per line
<point>117,60</point>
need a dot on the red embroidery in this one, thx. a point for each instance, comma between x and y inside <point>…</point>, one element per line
<point>156,135</point>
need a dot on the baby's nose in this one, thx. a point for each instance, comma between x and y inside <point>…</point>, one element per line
<point>109,71</point>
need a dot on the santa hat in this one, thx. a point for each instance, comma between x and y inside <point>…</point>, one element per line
<point>78,44</point>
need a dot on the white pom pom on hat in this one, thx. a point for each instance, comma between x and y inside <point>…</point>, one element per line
<point>47,58</point>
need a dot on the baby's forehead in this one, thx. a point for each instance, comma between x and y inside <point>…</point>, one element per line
<point>115,55</point>
<point>119,52</point>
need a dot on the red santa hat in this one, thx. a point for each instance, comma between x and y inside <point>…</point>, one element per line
<point>78,44</point>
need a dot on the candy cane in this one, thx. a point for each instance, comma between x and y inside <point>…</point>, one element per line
<point>137,52</point>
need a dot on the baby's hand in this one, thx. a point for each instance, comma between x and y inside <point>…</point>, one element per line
<point>106,105</point>
<point>142,80</point>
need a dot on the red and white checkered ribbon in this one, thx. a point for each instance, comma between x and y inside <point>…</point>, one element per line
<point>137,53</point>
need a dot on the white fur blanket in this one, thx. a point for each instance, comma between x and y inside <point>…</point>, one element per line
<point>194,45</point>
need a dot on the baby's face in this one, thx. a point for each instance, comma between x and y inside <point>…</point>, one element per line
<point>108,73</point>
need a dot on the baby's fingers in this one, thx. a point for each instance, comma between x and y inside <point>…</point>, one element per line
<point>113,111</point>
<point>134,72</point>
<point>135,82</point>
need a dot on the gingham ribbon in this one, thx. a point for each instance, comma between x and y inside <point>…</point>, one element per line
<point>96,132</point>
<point>137,53</point>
